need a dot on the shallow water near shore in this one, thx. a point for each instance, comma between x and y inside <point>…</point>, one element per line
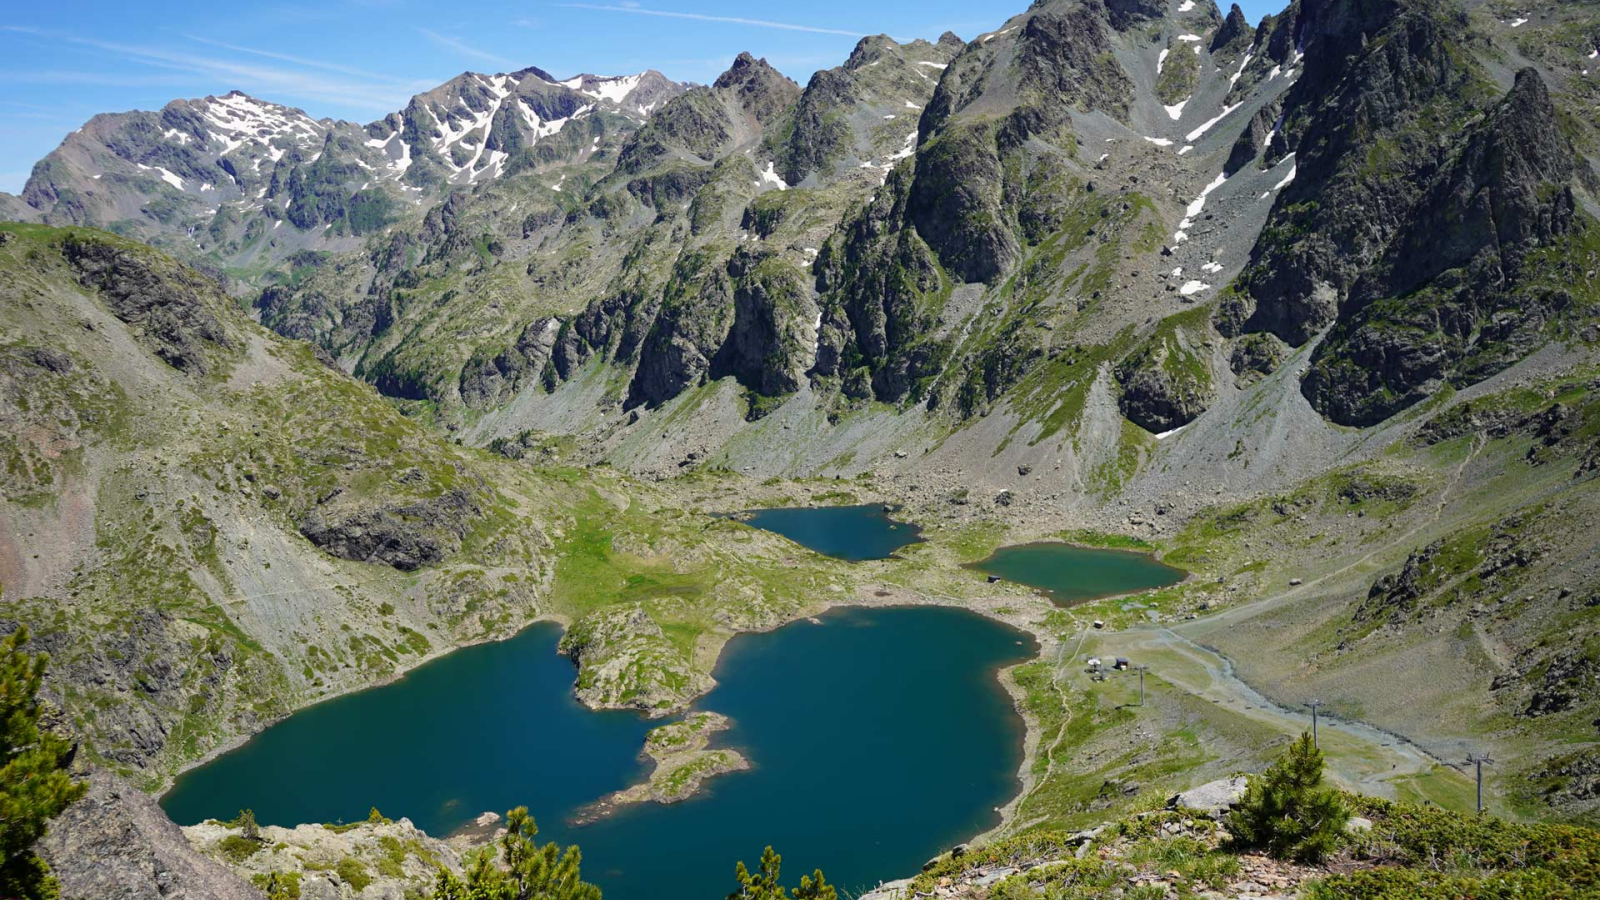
<point>1070,574</point>
<point>878,738</point>
<point>853,533</point>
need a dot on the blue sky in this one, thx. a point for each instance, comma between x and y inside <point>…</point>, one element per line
<point>61,63</point>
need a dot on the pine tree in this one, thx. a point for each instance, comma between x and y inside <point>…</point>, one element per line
<point>763,885</point>
<point>527,871</point>
<point>247,825</point>
<point>34,785</point>
<point>1287,812</point>
<point>815,888</point>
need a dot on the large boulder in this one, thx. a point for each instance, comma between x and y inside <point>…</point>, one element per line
<point>116,842</point>
<point>1216,797</point>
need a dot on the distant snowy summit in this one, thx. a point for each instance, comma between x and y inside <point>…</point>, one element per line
<point>262,166</point>
<point>637,95</point>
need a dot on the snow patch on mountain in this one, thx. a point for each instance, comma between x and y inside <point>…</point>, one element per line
<point>614,90</point>
<point>1195,134</point>
<point>238,118</point>
<point>771,176</point>
<point>1194,210</point>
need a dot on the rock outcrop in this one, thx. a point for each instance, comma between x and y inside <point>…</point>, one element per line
<point>116,842</point>
<point>405,536</point>
<point>876,279</point>
<point>1166,382</point>
<point>164,302</point>
<point>625,661</point>
<point>1213,798</point>
<point>1455,297</point>
<point>376,859</point>
<point>1370,71</point>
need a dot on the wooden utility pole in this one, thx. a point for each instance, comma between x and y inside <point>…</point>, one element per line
<point>1314,704</point>
<point>1142,670</point>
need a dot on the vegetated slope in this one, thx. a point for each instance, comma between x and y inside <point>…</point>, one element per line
<point>965,250</point>
<point>1445,591</point>
<point>634,288</point>
<point>207,526</point>
<point>182,493</point>
<point>1392,851</point>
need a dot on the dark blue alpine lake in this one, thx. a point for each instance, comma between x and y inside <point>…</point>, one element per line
<point>878,738</point>
<point>853,533</point>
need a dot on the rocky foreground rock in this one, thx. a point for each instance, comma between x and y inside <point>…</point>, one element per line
<point>116,842</point>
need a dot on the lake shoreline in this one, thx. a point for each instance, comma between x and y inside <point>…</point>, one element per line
<point>169,780</point>
<point>1152,556</point>
<point>932,665</point>
<point>1024,615</point>
<point>1027,613</point>
<point>1020,606</point>
<point>1008,611</point>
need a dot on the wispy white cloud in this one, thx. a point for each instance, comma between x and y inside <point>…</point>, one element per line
<point>464,48</point>
<point>96,79</point>
<point>219,75</point>
<point>302,61</point>
<point>703,17</point>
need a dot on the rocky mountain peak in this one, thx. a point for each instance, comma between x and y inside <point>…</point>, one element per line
<point>746,68</point>
<point>761,91</point>
<point>536,72</point>
<point>868,49</point>
<point>1127,14</point>
<point>1235,29</point>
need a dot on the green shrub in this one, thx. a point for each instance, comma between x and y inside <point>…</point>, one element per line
<point>278,885</point>
<point>245,821</point>
<point>238,848</point>
<point>1426,836</point>
<point>352,872</point>
<point>1424,884</point>
<point>394,856</point>
<point>1287,812</point>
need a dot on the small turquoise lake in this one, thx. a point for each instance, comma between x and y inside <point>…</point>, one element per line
<point>1070,574</point>
<point>877,739</point>
<point>853,533</point>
